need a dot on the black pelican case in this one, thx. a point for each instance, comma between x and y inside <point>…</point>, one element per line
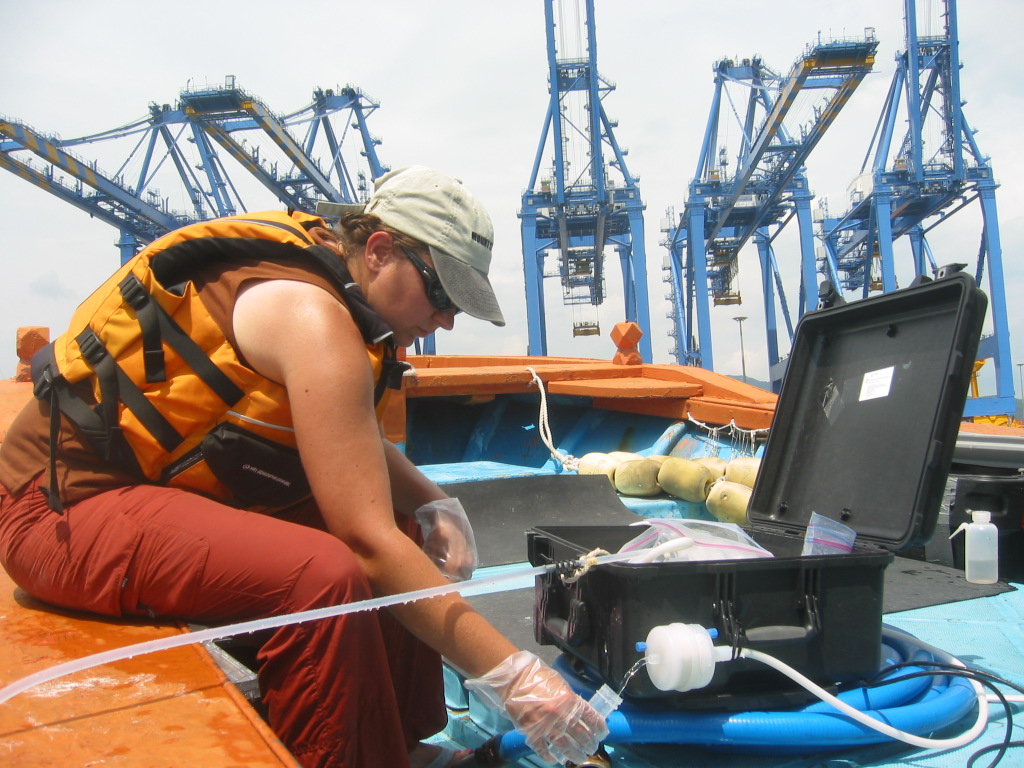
<point>864,432</point>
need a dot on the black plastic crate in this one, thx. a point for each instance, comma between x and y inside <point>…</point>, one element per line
<point>821,615</point>
<point>864,433</point>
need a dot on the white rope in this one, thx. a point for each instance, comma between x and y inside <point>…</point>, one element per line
<point>745,439</point>
<point>569,462</point>
<point>587,562</point>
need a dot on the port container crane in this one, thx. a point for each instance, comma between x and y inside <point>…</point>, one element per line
<point>579,209</point>
<point>727,209</point>
<point>910,186</point>
<point>297,157</point>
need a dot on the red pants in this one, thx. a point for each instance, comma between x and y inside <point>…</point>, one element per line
<point>357,690</point>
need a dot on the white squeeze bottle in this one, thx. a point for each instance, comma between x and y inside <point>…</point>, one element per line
<point>981,548</point>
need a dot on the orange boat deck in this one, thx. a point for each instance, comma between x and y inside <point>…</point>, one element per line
<point>165,710</point>
<point>169,709</point>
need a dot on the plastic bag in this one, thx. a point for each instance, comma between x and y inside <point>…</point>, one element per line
<point>692,540</point>
<point>826,536</point>
<point>448,538</point>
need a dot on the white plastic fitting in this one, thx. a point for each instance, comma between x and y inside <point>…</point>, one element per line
<point>682,657</point>
<point>605,701</point>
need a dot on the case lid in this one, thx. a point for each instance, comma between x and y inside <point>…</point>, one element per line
<point>869,411</point>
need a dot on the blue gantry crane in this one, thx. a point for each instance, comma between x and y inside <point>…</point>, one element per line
<point>298,157</point>
<point>726,209</point>
<point>579,208</point>
<point>909,187</point>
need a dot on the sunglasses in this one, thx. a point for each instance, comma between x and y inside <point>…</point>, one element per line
<point>436,294</point>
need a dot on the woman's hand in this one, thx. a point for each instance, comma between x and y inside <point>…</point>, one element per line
<point>558,725</point>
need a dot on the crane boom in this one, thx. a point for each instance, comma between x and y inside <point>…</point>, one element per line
<point>174,142</point>
<point>724,212</point>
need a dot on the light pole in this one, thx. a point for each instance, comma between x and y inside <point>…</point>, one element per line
<point>1020,373</point>
<point>743,354</point>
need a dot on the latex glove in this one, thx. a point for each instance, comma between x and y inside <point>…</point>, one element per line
<point>448,538</point>
<point>558,724</point>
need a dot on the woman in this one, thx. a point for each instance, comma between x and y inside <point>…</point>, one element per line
<point>128,524</point>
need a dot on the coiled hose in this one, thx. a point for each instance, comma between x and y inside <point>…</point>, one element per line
<point>910,706</point>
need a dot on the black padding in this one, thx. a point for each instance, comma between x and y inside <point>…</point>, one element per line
<point>913,584</point>
<point>503,510</point>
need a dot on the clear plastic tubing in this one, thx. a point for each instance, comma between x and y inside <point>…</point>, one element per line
<point>218,633</point>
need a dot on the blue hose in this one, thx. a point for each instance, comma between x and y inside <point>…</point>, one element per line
<point>918,706</point>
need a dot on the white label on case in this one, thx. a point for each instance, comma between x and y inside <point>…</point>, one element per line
<point>877,383</point>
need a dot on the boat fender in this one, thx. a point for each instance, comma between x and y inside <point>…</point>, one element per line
<point>604,463</point>
<point>743,469</point>
<point>638,477</point>
<point>715,464</point>
<point>597,464</point>
<point>685,479</point>
<point>728,502</point>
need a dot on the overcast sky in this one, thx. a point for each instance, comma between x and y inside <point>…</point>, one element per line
<point>462,86</point>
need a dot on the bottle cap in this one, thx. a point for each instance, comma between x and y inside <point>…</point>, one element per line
<point>981,517</point>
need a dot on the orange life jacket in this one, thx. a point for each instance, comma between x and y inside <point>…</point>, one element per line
<point>171,401</point>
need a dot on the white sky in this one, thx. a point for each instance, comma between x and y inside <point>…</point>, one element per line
<point>463,87</point>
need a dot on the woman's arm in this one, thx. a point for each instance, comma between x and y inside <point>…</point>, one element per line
<point>410,488</point>
<point>299,335</point>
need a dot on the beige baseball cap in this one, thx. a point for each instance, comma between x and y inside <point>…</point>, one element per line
<point>440,212</point>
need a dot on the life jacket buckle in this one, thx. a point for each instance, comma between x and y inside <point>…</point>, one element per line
<point>133,291</point>
<point>93,350</point>
<point>42,383</point>
<point>44,372</point>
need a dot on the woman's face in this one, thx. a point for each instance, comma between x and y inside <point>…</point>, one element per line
<point>398,290</point>
<point>396,281</point>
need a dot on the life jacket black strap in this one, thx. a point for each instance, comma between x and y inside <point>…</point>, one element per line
<point>116,386</point>
<point>147,313</point>
<point>53,492</point>
<point>96,355</point>
<point>49,385</point>
<point>371,326</point>
<point>44,367</point>
<point>391,371</point>
<point>158,326</point>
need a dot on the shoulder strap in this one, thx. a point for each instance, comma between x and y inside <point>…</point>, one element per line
<point>391,372</point>
<point>96,423</point>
